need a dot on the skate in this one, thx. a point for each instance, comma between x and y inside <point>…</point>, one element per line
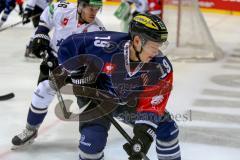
<point>28,52</point>
<point>25,138</point>
<point>29,56</point>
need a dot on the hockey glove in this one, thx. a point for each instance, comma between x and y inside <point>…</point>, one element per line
<point>40,44</point>
<point>77,76</point>
<point>143,138</point>
<point>26,15</point>
<point>49,63</point>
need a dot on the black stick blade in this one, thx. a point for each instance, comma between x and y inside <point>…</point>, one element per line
<point>6,96</point>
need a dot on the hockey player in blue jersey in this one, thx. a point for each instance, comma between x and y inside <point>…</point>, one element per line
<point>6,6</point>
<point>123,62</point>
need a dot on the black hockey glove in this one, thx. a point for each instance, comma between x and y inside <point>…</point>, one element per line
<point>78,76</point>
<point>143,138</point>
<point>40,44</point>
<point>49,63</point>
<point>26,15</point>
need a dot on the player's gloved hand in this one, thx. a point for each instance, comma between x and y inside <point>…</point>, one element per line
<point>78,76</point>
<point>49,63</point>
<point>26,15</point>
<point>40,44</point>
<point>143,138</point>
<point>50,59</point>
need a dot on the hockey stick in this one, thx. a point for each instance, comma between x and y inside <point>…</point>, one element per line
<point>124,133</point>
<point>101,109</point>
<point>15,24</point>
<point>66,114</point>
<point>7,96</point>
<point>105,97</point>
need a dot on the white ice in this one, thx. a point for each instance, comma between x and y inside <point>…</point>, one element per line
<point>210,132</point>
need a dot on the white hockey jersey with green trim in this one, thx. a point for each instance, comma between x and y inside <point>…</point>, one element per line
<point>63,19</point>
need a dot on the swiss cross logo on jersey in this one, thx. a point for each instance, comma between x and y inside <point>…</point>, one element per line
<point>156,100</point>
<point>65,22</point>
<point>109,68</point>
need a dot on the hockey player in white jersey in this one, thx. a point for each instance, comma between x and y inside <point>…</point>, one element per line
<point>66,19</point>
<point>33,8</point>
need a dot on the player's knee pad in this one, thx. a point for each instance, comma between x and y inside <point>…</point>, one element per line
<point>93,141</point>
<point>167,145</point>
<point>43,95</point>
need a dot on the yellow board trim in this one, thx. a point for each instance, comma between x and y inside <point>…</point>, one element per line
<point>220,11</point>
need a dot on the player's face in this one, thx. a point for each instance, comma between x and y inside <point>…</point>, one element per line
<point>89,13</point>
<point>150,50</point>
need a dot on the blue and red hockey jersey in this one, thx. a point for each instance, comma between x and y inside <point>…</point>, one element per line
<point>149,83</point>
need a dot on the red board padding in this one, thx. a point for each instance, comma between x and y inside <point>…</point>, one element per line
<point>231,5</point>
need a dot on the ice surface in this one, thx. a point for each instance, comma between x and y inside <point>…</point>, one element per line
<point>211,130</point>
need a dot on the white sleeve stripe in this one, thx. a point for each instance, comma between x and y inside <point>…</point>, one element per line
<point>44,25</point>
<point>173,132</point>
<point>167,149</point>
<point>146,122</point>
<point>170,156</point>
<point>166,144</point>
<point>38,111</point>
